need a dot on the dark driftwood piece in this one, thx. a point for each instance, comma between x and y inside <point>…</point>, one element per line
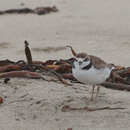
<point>115,77</point>
<point>6,62</point>
<point>117,86</point>
<point>21,74</point>
<point>124,72</point>
<point>7,68</point>
<point>38,10</point>
<point>28,53</point>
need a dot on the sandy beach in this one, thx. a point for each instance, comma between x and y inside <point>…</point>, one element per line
<point>100,28</point>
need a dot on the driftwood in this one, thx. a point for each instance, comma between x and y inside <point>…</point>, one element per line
<point>118,86</point>
<point>7,68</point>
<point>38,11</point>
<point>6,62</point>
<point>21,74</point>
<point>124,72</point>
<point>68,76</point>
<point>28,53</point>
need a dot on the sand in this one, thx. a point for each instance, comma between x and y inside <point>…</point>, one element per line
<point>99,28</point>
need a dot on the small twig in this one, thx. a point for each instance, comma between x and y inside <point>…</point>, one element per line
<point>68,108</point>
<point>20,62</point>
<point>60,78</point>
<point>72,50</point>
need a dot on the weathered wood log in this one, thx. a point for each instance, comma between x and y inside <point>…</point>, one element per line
<point>21,74</point>
<point>8,68</point>
<point>117,86</point>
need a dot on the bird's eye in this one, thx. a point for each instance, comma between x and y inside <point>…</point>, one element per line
<point>86,59</point>
<point>76,59</point>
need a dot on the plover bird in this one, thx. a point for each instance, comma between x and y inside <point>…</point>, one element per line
<point>90,69</point>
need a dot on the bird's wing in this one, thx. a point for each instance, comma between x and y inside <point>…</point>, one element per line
<point>97,62</point>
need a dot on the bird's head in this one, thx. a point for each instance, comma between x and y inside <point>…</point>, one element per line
<point>83,59</point>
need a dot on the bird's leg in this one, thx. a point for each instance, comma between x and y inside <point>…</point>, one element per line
<point>92,93</point>
<point>98,89</point>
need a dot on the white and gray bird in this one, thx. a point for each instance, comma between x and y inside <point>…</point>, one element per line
<point>90,69</point>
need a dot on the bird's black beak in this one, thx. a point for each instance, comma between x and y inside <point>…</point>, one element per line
<point>80,62</point>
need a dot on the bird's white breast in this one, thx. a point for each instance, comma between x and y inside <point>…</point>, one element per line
<point>91,76</point>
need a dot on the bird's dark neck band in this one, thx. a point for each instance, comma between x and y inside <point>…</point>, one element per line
<point>88,66</point>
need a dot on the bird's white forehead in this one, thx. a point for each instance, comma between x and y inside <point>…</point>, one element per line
<point>80,59</point>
